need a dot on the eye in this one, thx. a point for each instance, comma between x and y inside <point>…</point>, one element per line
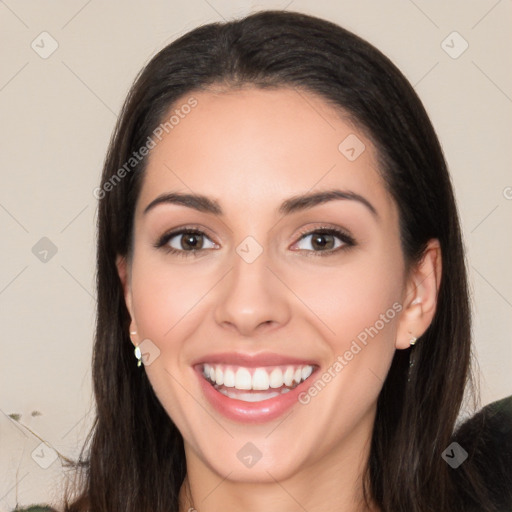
<point>184,242</point>
<point>191,241</point>
<point>326,240</point>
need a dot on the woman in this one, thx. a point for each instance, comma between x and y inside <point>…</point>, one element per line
<point>279,247</point>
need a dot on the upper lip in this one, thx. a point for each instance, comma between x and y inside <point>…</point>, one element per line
<point>253,360</point>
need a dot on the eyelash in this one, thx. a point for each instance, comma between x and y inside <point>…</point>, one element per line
<point>348,241</point>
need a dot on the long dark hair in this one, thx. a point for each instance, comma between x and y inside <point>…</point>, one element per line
<point>135,460</point>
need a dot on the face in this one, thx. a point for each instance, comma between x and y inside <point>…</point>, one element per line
<point>269,321</point>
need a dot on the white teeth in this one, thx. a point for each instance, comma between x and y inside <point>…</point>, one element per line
<point>288,376</point>
<point>276,378</point>
<point>256,379</point>
<point>243,379</point>
<point>250,397</point>
<point>260,380</point>
<point>229,378</point>
<point>306,372</point>
<point>219,376</point>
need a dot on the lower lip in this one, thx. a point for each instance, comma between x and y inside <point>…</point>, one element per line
<point>250,412</point>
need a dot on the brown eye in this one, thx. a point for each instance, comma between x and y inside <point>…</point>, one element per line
<point>191,241</point>
<point>185,242</point>
<point>325,240</point>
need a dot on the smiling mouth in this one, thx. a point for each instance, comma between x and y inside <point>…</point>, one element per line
<point>255,384</point>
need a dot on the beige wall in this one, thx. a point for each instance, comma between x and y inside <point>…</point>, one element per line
<point>57,114</point>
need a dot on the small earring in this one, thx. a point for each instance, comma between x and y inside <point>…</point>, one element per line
<point>138,355</point>
<point>413,340</point>
<point>137,351</point>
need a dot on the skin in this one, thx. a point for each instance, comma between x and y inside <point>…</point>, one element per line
<point>250,150</point>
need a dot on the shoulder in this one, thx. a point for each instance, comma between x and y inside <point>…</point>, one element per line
<point>486,438</point>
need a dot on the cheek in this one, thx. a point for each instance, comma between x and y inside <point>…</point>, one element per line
<point>166,304</point>
<point>361,307</point>
<point>165,298</point>
<point>353,298</point>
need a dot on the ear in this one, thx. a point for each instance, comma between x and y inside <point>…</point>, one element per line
<point>124,275</point>
<point>420,296</point>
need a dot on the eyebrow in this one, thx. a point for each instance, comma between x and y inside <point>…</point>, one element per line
<point>292,205</point>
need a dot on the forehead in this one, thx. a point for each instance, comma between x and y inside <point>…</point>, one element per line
<point>259,146</point>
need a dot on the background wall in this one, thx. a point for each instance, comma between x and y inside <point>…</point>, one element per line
<point>65,69</point>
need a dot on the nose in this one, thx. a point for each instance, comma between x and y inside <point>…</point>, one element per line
<point>253,298</point>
